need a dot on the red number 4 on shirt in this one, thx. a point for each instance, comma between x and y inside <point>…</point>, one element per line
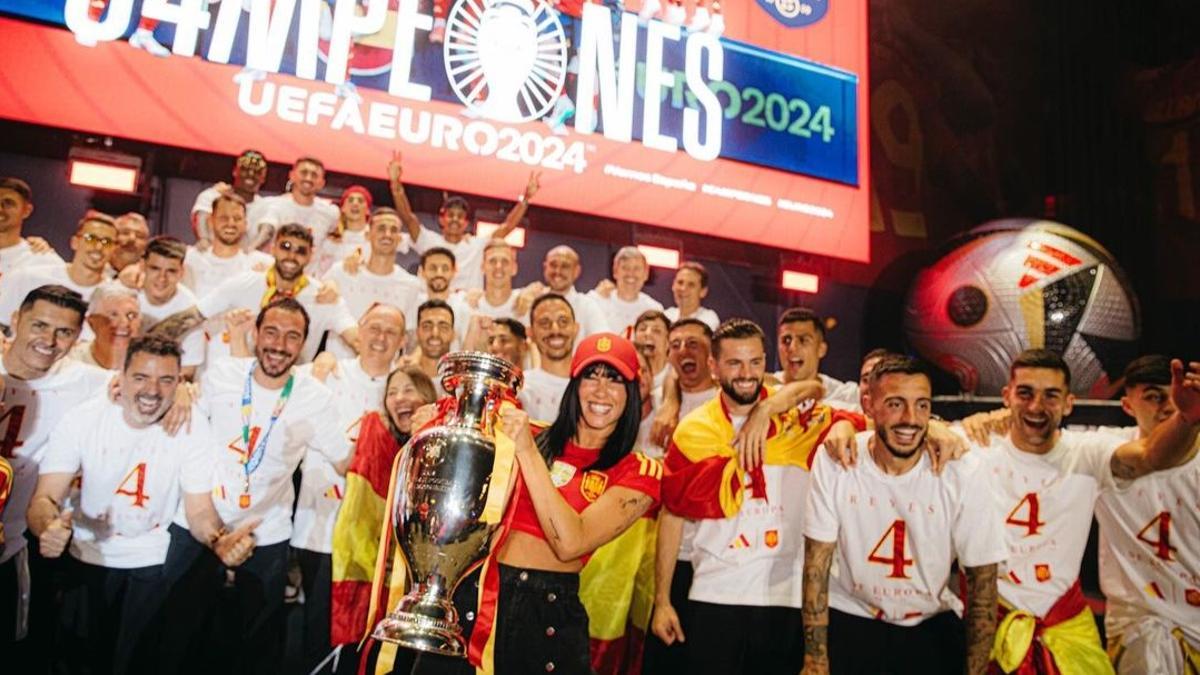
<point>136,476</point>
<point>897,534</point>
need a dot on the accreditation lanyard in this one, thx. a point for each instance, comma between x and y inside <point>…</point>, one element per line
<point>254,457</point>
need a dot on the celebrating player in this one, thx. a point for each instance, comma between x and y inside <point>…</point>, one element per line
<point>133,478</point>
<point>896,528</point>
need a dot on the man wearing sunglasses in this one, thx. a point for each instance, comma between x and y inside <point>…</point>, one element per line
<point>252,291</point>
<point>93,243</point>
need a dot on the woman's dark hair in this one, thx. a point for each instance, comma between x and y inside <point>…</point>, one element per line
<point>620,443</point>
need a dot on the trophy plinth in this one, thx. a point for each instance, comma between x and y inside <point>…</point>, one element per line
<point>442,483</point>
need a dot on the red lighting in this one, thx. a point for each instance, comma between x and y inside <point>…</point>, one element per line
<point>800,281</point>
<point>515,239</point>
<point>110,177</point>
<point>657,256</point>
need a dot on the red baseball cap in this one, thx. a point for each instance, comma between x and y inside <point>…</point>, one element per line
<point>608,348</point>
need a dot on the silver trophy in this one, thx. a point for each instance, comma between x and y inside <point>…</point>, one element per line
<point>442,484</point>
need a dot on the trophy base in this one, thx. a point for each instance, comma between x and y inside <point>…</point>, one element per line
<point>422,633</point>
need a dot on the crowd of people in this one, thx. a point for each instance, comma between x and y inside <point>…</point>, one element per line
<point>198,441</point>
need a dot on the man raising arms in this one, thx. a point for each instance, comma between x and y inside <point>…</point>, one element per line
<point>453,218</point>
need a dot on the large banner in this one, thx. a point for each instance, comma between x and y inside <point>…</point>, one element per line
<point>746,122</point>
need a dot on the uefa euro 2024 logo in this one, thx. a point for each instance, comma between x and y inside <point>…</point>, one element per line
<point>506,59</point>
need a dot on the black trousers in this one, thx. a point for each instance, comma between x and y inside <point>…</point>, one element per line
<point>868,646</point>
<point>106,622</point>
<point>732,639</point>
<point>45,595</point>
<point>316,573</point>
<point>660,659</point>
<point>210,628</point>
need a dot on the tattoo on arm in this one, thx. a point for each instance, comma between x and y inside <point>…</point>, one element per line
<point>979,616</point>
<point>178,324</point>
<point>818,558</point>
<point>1122,469</point>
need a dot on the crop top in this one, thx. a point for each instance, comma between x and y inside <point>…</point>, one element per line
<point>580,488</point>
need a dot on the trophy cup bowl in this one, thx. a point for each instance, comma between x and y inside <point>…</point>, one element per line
<point>442,483</point>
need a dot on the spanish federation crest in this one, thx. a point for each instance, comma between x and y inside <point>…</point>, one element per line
<point>593,485</point>
<point>795,13</point>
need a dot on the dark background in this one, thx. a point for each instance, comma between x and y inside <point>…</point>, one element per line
<point>1087,113</point>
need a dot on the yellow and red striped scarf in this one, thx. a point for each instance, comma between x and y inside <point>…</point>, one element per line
<point>273,287</point>
<point>6,478</point>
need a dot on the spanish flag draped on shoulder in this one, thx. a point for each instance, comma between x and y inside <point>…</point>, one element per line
<point>703,477</point>
<point>356,536</point>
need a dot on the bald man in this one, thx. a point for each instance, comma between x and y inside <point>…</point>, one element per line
<point>357,385</point>
<point>560,270</point>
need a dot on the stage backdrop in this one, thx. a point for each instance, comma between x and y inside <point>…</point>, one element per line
<point>759,135</point>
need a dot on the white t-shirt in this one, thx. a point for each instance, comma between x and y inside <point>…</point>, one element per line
<point>587,314</point>
<point>756,557</point>
<point>320,218</point>
<point>131,482</point>
<point>898,536</point>
<point>247,290</point>
<point>204,270</point>
<point>14,287</point>
<point>505,310</point>
<point>192,344</point>
<point>704,314</point>
<point>32,409</point>
<point>1150,550</point>
<point>256,209</point>
<point>468,256</point>
<point>304,427</point>
<point>322,486</point>
<point>1046,502</point>
<point>21,254</point>
<point>621,315</point>
<point>362,290</point>
<point>542,394</point>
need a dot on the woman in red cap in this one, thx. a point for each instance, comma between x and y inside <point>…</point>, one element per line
<point>580,485</point>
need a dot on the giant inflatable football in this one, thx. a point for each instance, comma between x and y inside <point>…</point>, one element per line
<point>1015,284</point>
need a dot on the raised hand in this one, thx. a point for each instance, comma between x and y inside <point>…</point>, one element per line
<point>1185,390</point>
<point>533,185</point>
<point>394,169</point>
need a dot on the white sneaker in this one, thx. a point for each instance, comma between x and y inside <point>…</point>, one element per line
<point>144,39</point>
<point>649,10</point>
<point>700,20</point>
<point>676,14</point>
<point>717,26</point>
<point>438,34</point>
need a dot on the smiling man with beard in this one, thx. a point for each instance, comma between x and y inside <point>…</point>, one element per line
<point>738,466</point>
<point>206,267</point>
<point>249,174</point>
<point>1047,481</point>
<point>134,476</point>
<point>266,418</point>
<point>553,329</point>
<point>897,528</point>
<point>255,290</point>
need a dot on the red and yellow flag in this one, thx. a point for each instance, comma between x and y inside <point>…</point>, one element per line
<point>356,535</point>
<point>703,477</point>
<point>6,479</point>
